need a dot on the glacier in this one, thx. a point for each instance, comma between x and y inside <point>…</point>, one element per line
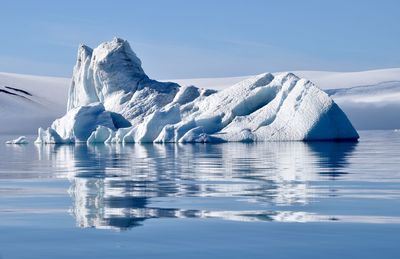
<point>112,100</point>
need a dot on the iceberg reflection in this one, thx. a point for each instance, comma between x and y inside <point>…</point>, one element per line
<point>120,186</point>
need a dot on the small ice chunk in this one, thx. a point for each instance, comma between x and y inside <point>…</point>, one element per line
<point>50,136</point>
<point>19,140</point>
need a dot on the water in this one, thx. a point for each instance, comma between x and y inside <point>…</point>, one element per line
<point>275,200</point>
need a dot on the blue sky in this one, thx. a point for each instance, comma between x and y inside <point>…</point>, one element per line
<point>186,39</point>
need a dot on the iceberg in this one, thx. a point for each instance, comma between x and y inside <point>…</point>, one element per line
<point>19,140</point>
<point>112,100</point>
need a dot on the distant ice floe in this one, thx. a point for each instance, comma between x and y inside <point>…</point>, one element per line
<point>112,100</point>
<point>19,140</point>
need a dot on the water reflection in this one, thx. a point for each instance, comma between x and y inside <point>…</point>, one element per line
<point>121,186</point>
<point>332,157</point>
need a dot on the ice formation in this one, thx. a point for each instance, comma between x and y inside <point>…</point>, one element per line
<point>19,140</point>
<point>112,100</point>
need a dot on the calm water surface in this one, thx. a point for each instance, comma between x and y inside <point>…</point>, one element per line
<point>264,200</point>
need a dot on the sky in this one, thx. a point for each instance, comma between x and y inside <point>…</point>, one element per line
<point>192,39</point>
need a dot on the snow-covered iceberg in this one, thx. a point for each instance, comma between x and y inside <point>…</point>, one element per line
<point>111,99</point>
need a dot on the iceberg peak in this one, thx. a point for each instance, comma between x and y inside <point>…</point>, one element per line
<point>84,48</point>
<point>117,49</point>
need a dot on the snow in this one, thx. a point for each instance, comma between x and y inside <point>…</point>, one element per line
<point>23,113</point>
<point>323,79</point>
<point>19,140</point>
<point>385,92</point>
<point>335,80</point>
